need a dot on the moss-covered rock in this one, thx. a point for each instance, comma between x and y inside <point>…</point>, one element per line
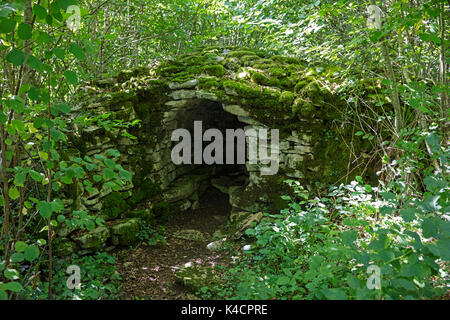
<point>124,232</point>
<point>94,239</point>
<point>65,248</point>
<point>215,70</point>
<point>113,205</point>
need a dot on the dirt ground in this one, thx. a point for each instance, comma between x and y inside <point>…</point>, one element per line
<point>148,271</point>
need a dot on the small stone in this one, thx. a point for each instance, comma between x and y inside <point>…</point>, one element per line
<point>190,235</point>
<point>215,245</point>
<point>247,223</point>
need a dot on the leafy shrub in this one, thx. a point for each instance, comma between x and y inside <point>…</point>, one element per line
<point>322,248</point>
<point>151,236</point>
<point>99,279</point>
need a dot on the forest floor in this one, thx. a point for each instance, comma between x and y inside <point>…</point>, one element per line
<point>148,272</point>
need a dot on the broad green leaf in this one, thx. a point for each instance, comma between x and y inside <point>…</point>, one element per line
<point>14,193</point>
<point>20,246</point>
<point>12,274</point>
<point>283,280</point>
<point>59,53</point>
<point>36,176</point>
<point>39,11</point>
<point>17,257</point>
<point>109,174</point>
<point>34,93</point>
<point>113,153</point>
<point>19,179</point>
<point>31,253</point>
<point>71,77</point>
<point>45,209</point>
<point>16,57</point>
<point>35,63</point>
<point>77,51</point>
<point>64,108</point>
<point>335,294</point>
<point>7,26</point>
<point>24,31</point>
<point>349,237</point>
<point>12,286</point>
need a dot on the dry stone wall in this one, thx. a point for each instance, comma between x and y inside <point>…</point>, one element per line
<point>147,104</point>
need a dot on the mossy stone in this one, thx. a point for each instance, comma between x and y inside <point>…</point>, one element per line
<point>215,70</point>
<point>124,233</point>
<point>94,239</point>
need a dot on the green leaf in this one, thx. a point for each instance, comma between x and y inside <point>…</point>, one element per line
<point>20,246</point>
<point>113,153</point>
<point>45,209</point>
<point>34,93</point>
<point>31,253</point>
<point>59,53</point>
<point>19,179</point>
<point>14,193</point>
<point>7,26</point>
<point>77,51</point>
<point>110,163</point>
<point>36,176</point>
<point>443,246</point>
<point>283,280</point>
<point>408,214</point>
<point>35,63</point>
<point>335,294</point>
<point>25,31</point>
<point>109,174</point>
<point>429,227</point>
<point>39,11</point>
<point>16,57</point>
<point>71,77</point>
<point>348,237</point>
<point>12,274</point>
<point>12,286</point>
<point>64,108</point>
<point>17,257</point>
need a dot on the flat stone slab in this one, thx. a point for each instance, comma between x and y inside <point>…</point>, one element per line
<point>190,235</point>
<point>183,94</point>
<point>236,110</point>
<point>185,85</point>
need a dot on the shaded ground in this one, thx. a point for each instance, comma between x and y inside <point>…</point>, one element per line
<point>148,271</point>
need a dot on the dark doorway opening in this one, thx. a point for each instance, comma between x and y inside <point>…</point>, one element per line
<point>212,116</point>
